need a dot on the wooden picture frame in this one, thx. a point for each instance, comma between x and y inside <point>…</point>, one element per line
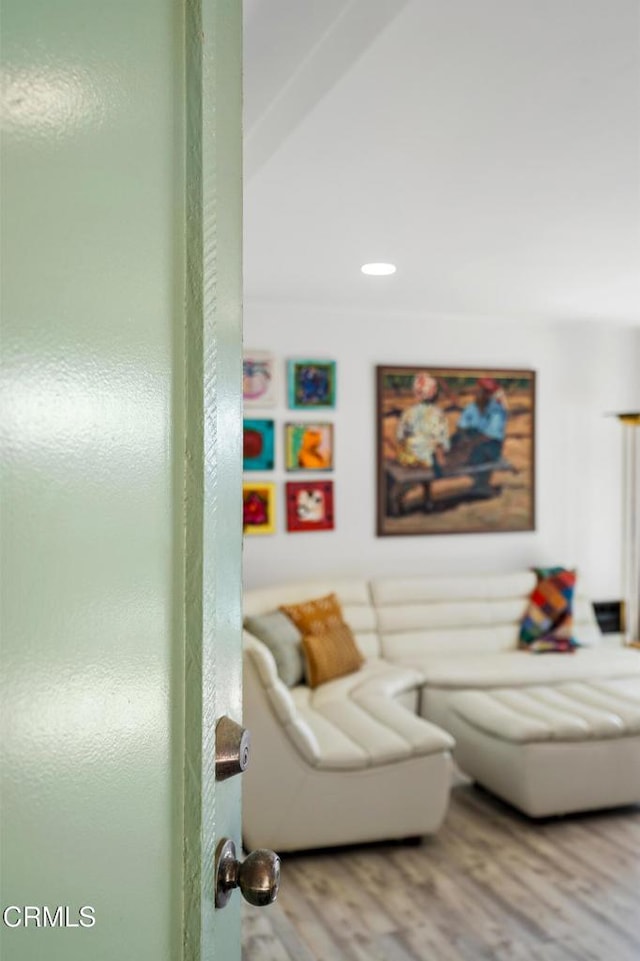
<point>455,450</point>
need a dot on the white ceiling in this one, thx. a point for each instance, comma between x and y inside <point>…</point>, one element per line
<point>489,148</point>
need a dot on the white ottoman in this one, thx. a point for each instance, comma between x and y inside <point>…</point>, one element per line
<point>552,750</point>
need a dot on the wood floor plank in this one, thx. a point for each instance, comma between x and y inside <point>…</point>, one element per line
<point>491,884</point>
<point>395,948</point>
<point>341,905</point>
<point>431,940</point>
<point>284,930</point>
<point>477,909</point>
<point>321,943</point>
<point>460,904</point>
<point>375,908</point>
<point>261,941</point>
<point>620,829</point>
<point>387,884</point>
<point>588,906</point>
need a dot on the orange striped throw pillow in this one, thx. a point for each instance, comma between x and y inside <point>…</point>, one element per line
<point>318,616</point>
<point>328,643</point>
<point>330,655</point>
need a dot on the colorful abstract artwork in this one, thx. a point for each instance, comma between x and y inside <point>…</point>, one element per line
<point>258,445</point>
<point>456,450</point>
<point>258,508</point>
<point>310,506</point>
<point>309,447</point>
<point>258,379</point>
<point>311,383</point>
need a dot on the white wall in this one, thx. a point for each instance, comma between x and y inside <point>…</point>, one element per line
<point>584,370</point>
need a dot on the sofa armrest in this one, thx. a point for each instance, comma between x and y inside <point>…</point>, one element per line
<point>260,672</point>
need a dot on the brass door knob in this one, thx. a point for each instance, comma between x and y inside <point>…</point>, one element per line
<point>258,876</point>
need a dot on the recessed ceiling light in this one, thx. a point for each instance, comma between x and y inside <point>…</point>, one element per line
<point>378,270</point>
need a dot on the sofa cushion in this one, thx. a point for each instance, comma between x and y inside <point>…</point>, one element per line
<point>330,655</point>
<point>373,730</point>
<point>519,668</point>
<point>357,722</point>
<point>568,712</point>
<point>376,676</point>
<point>460,615</point>
<point>391,591</point>
<point>352,593</point>
<point>283,639</point>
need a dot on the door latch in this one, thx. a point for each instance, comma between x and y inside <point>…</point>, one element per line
<point>232,748</point>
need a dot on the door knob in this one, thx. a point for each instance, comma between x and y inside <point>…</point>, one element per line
<point>258,876</point>
<point>232,748</point>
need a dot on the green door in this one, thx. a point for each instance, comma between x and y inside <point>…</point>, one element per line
<point>121,465</point>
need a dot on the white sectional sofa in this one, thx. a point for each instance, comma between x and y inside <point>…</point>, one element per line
<point>366,756</point>
<point>553,749</point>
<point>462,633</point>
<point>342,764</point>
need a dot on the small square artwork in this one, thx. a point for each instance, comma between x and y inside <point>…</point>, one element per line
<point>309,447</point>
<point>257,445</point>
<point>310,506</point>
<point>258,508</point>
<point>312,383</point>
<point>258,379</point>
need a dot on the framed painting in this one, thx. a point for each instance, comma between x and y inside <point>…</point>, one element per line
<point>311,383</point>
<point>258,379</point>
<point>310,506</point>
<point>257,444</point>
<point>309,447</point>
<point>455,450</point>
<point>258,508</point>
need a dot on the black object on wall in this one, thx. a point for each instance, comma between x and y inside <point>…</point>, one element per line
<point>610,616</point>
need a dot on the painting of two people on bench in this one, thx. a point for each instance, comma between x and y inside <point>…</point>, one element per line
<point>455,450</point>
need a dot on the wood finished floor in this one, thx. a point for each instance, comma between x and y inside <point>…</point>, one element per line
<point>490,884</point>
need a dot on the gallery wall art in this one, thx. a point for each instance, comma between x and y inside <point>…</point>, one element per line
<point>258,507</point>
<point>309,446</point>
<point>455,450</point>
<point>308,443</point>
<point>311,384</point>
<point>310,506</point>
<point>258,444</point>
<point>259,379</point>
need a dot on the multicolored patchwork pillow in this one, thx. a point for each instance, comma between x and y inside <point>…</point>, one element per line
<point>547,625</point>
<point>542,572</point>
